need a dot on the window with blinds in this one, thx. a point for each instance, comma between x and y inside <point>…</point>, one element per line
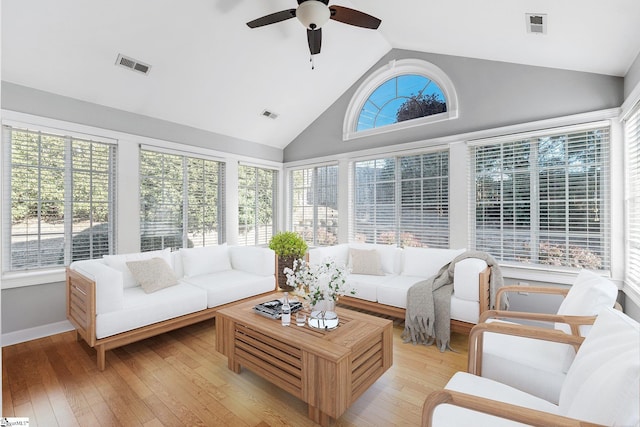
<point>257,198</point>
<point>632,196</point>
<point>543,198</point>
<point>60,192</point>
<point>402,200</point>
<point>181,201</point>
<point>314,204</point>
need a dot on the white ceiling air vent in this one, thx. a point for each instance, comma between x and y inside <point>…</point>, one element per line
<point>133,64</point>
<point>536,23</point>
<point>269,114</point>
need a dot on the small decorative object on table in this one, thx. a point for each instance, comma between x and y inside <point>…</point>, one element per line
<point>320,284</point>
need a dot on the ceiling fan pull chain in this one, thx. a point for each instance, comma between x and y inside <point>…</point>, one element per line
<point>313,65</point>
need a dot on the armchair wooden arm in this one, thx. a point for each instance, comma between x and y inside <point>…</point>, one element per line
<point>574,322</point>
<point>493,407</point>
<point>550,290</point>
<point>534,332</point>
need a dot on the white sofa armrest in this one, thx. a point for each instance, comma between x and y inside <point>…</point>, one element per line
<point>109,284</point>
<point>466,278</point>
<point>253,259</point>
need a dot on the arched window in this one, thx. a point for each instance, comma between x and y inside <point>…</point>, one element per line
<point>402,94</point>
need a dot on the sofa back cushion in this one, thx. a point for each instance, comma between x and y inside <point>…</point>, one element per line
<point>119,262</point>
<point>253,259</point>
<point>390,255</point>
<point>602,384</point>
<point>205,260</point>
<point>426,262</point>
<point>338,253</point>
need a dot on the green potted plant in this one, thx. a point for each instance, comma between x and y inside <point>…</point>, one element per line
<point>288,246</point>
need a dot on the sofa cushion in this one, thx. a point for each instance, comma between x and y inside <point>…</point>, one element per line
<point>393,291</point>
<point>389,255</point>
<point>253,259</point>
<point>205,260</point>
<point>602,383</point>
<point>365,286</point>
<point>152,274</point>
<point>338,253</point>
<point>119,262</point>
<point>426,262</point>
<point>454,416</point>
<point>364,261</point>
<point>228,286</point>
<point>142,309</point>
<point>109,283</point>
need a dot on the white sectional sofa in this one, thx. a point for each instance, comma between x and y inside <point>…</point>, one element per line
<point>385,290</point>
<point>110,307</point>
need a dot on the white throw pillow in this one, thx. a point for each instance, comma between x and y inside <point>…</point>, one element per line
<point>426,262</point>
<point>362,261</point>
<point>119,262</point>
<point>205,260</point>
<point>152,274</point>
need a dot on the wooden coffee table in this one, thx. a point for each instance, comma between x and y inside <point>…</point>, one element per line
<point>328,370</point>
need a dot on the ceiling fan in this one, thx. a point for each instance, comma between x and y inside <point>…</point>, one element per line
<point>313,14</point>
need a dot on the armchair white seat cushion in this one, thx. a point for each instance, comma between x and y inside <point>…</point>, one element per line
<point>539,367</point>
<point>601,386</point>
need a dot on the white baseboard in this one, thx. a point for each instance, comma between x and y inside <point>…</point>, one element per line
<point>35,333</point>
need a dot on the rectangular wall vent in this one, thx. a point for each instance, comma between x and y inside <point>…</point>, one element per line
<point>269,114</point>
<point>536,23</point>
<point>132,64</point>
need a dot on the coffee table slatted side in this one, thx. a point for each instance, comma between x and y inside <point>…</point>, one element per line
<point>278,362</point>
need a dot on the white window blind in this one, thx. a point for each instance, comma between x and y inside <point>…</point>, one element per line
<point>402,200</point>
<point>314,204</point>
<point>181,200</point>
<point>632,146</point>
<point>60,193</point>
<point>257,198</point>
<point>543,199</point>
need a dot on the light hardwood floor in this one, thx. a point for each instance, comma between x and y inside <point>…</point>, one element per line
<point>178,379</point>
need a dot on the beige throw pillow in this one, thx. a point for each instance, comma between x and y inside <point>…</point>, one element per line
<point>363,261</point>
<point>152,274</point>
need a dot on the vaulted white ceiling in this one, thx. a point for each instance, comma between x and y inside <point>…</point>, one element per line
<point>210,71</point>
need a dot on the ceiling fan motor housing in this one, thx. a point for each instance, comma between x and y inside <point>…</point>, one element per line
<point>313,14</point>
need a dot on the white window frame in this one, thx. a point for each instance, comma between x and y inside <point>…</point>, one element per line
<point>631,119</point>
<point>274,206</point>
<point>397,183</point>
<point>606,213</point>
<point>393,69</point>
<point>32,274</point>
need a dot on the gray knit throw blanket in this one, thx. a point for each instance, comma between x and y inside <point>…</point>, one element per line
<point>428,313</point>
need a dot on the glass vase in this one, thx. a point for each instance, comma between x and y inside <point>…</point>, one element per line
<point>323,315</point>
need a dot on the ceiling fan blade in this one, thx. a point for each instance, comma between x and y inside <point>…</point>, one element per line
<point>272,18</point>
<point>354,17</point>
<point>315,40</point>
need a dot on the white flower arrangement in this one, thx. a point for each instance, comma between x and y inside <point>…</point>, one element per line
<point>317,282</point>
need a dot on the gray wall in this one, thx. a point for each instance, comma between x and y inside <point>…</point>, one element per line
<point>32,306</point>
<point>632,79</point>
<point>490,94</point>
<point>45,104</point>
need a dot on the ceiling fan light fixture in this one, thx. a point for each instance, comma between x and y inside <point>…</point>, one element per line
<point>313,14</point>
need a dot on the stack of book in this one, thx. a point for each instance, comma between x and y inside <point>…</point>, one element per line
<point>273,309</point>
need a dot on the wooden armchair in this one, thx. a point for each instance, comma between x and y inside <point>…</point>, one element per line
<point>540,367</point>
<point>601,386</point>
